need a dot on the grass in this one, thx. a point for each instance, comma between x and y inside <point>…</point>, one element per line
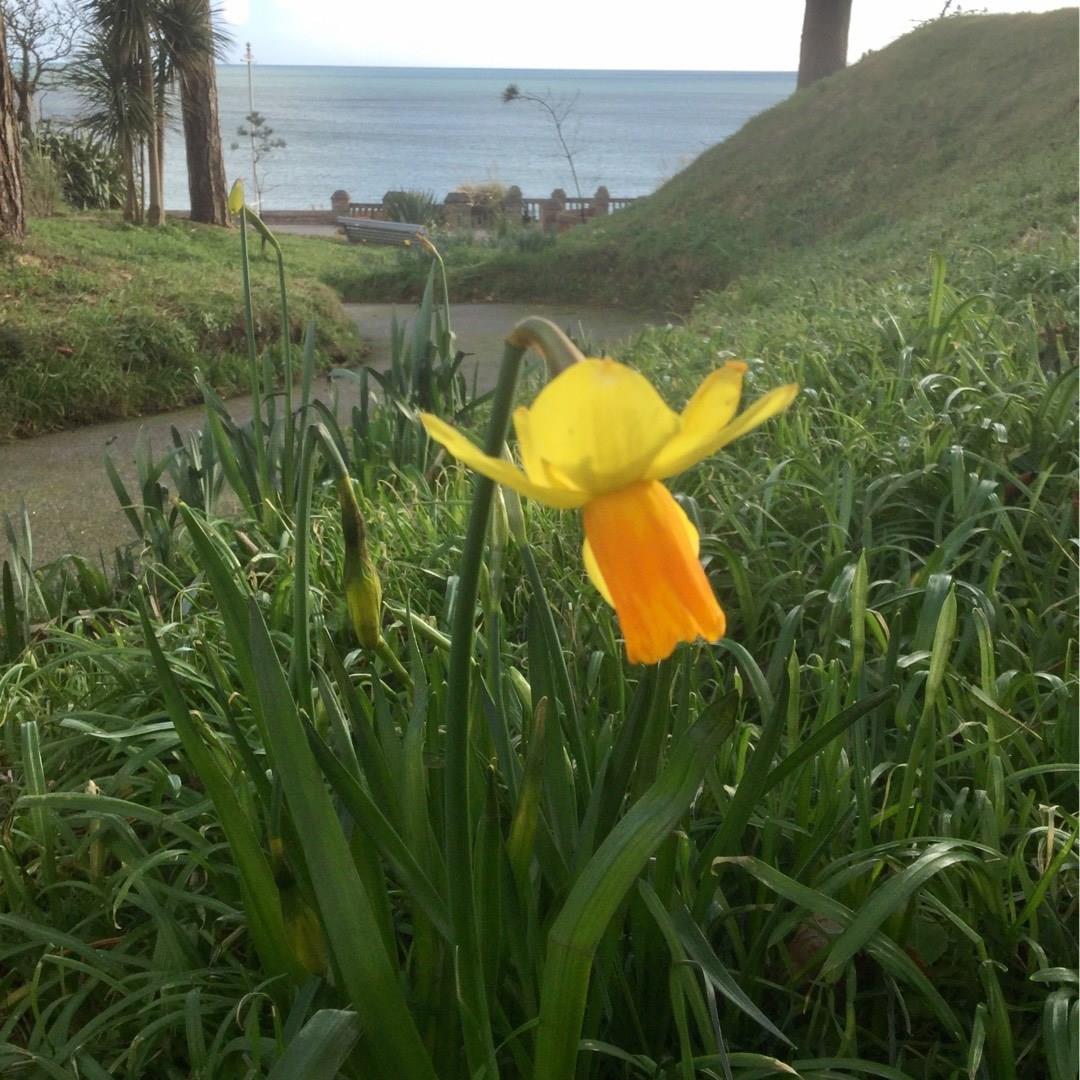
<point>876,877</point>
<point>839,844</point>
<point>103,321</point>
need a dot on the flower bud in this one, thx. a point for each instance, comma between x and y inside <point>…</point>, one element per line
<point>236,197</point>
<point>360,581</point>
<point>304,931</point>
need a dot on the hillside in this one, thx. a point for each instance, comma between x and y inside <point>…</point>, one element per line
<point>102,320</point>
<point>963,131</point>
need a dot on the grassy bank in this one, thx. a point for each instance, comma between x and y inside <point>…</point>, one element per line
<point>892,802</point>
<point>101,320</point>
<point>961,134</point>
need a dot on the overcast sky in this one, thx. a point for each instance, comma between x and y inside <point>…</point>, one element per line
<point>692,35</point>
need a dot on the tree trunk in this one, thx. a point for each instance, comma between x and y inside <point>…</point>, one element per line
<point>159,145</point>
<point>127,152</point>
<point>202,142</point>
<point>24,96</point>
<point>12,219</point>
<point>155,213</point>
<point>824,39</point>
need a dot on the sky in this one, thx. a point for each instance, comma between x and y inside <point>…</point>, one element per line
<point>678,35</point>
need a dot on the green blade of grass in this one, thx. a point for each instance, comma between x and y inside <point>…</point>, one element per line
<point>886,952</point>
<point>321,1048</point>
<point>891,897</point>
<point>382,834</point>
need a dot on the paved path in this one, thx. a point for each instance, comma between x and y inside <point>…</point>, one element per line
<point>62,479</point>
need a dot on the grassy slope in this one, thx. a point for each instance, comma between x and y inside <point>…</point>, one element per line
<point>962,131</point>
<point>921,476</point>
<point>101,320</point>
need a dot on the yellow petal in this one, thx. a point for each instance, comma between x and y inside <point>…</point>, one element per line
<point>502,472</point>
<point>592,567</point>
<point>536,469</point>
<point>710,427</point>
<point>644,555</point>
<point>598,425</point>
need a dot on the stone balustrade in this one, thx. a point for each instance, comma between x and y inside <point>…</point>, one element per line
<point>480,209</point>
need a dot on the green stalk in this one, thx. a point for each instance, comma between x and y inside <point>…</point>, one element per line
<point>287,374</point>
<point>558,352</point>
<point>253,361</point>
<point>289,448</point>
<point>479,1048</point>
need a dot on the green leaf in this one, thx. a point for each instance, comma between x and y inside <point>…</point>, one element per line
<point>382,834</point>
<point>348,917</point>
<point>1061,1033</point>
<point>321,1047</point>
<point>895,894</point>
<point>604,883</point>
<point>886,952</point>
<point>260,893</point>
<point>13,638</point>
<point>701,952</point>
<point>125,499</point>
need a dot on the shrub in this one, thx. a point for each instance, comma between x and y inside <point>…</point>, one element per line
<point>415,207</point>
<point>90,172</point>
<point>489,194</point>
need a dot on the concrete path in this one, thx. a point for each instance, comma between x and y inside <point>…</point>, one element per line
<point>61,477</point>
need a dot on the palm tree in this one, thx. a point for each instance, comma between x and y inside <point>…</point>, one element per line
<point>127,30</point>
<point>118,110</point>
<point>12,219</point>
<point>190,42</point>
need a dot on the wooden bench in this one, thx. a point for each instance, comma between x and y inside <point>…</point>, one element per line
<point>369,231</point>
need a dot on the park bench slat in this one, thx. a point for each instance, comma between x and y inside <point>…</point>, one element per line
<point>370,231</point>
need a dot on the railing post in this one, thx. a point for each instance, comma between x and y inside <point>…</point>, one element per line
<point>339,203</point>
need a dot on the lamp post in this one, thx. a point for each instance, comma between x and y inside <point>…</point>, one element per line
<point>249,59</point>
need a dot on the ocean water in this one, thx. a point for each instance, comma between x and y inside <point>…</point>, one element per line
<point>370,130</point>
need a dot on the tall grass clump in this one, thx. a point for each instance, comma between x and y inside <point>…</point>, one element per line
<point>90,174</point>
<point>245,837</point>
<point>417,207</point>
<point>43,191</point>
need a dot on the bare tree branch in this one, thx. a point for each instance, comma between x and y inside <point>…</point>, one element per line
<point>39,33</point>
<point>558,110</point>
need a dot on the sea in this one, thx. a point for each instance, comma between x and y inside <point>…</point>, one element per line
<point>369,130</point>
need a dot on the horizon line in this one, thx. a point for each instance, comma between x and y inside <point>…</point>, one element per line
<point>482,67</point>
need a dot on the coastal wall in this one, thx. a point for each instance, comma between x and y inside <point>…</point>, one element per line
<point>483,207</point>
<point>476,208</point>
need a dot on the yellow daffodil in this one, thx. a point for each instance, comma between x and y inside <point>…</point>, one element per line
<point>601,438</point>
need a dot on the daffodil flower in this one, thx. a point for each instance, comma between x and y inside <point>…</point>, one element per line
<point>601,438</point>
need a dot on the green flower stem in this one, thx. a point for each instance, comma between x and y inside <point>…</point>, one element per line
<point>558,353</point>
<point>253,362</point>
<point>288,465</point>
<point>479,1047</point>
<point>389,658</point>
<point>289,449</point>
